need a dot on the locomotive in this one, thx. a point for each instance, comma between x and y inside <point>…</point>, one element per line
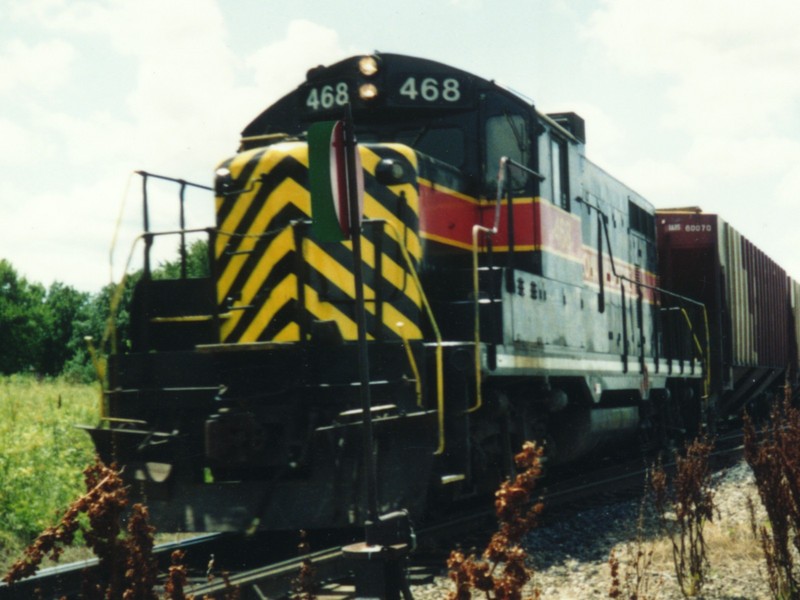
<point>512,290</point>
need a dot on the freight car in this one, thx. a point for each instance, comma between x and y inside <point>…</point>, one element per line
<point>750,300</point>
<point>511,292</point>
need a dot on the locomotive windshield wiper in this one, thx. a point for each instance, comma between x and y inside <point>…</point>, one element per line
<point>517,133</point>
<point>423,130</point>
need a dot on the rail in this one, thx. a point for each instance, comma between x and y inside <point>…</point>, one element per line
<point>147,237</point>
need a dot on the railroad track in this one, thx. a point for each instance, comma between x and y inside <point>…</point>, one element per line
<point>332,571</point>
<point>66,580</point>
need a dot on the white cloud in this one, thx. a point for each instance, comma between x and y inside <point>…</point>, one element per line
<point>71,229</point>
<point>173,100</point>
<point>724,76</point>
<point>20,146</point>
<point>470,5</point>
<point>279,67</point>
<point>78,16</point>
<point>40,67</point>
<point>669,37</point>
<point>728,64</point>
<point>742,157</point>
<point>662,181</point>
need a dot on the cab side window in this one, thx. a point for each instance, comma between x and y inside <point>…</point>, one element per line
<point>559,175</point>
<point>507,135</point>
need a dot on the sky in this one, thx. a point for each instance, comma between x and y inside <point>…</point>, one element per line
<point>690,102</point>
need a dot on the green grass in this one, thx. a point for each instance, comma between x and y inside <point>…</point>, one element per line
<point>42,455</point>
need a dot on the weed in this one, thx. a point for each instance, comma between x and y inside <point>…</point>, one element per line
<point>684,512</point>
<point>127,566</point>
<point>304,585</point>
<point>636,581</point>
<point>517,516</point>
<point>176,579</point>
<point>774,457</point>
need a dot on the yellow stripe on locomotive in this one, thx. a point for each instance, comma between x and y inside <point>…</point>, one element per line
<point>274,280</point>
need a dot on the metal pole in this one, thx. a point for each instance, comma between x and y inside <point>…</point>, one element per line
<point>510,224</point>
<point>363,356</point>
<point>183,227</point>
<point>148,239</point>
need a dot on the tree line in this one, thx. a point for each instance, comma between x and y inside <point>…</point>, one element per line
<point>44,330</point>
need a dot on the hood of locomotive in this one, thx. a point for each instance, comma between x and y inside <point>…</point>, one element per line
<point>262,414</point>
<point>276,282</point>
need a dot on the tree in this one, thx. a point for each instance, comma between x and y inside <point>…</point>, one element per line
<point>65,306</point>
<point>196,263</point>
<point>45,331</point>
<point>111,302</point>
<point>23,318</point>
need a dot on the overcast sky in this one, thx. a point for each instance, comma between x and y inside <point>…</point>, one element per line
<point>691,102</point>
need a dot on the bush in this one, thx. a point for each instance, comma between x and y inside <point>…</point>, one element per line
<point>774,456</point>
<point>503,572</point>
<point>684,508</point>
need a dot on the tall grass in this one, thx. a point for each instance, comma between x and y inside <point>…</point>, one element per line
<point>42,454</point>
<point>774,455</point>
<point>684,508</point>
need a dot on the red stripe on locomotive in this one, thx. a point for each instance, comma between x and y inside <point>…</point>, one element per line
<point>448,218</point>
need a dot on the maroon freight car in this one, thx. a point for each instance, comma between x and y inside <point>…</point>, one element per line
<point>751,302</point>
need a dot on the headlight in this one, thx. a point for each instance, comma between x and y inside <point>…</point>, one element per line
<point>368,65</point>
<point>223,181</point>
<point>390,172</point>
<point>367,91</point>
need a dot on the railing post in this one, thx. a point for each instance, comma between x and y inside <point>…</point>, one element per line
<point>510,226</point>
<point>183,226</point>
<point>148,239</point>
<point>212,270</point>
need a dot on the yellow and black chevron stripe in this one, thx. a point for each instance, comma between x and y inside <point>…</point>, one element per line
<point>274,279</point>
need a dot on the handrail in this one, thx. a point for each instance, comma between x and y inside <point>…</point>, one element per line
<point>704,355</point>
<point>148,236</point>
<point>109,332</point>
<point>490,231</point>
<point>413,362</point>
<point>503,178</point>
<point>436,333</point>
<point>182,219</point>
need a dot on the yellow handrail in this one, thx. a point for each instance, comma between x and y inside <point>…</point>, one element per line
<point>413,362</point>
<point>436,333</point>
<point>476,283</point>
<point>704,353</point>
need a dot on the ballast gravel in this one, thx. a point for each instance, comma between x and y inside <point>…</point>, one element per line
<point>570,556</point>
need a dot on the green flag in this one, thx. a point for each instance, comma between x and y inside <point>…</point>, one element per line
<point>326,173</point>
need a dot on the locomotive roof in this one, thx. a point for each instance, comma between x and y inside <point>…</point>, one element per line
<point>292,112</point>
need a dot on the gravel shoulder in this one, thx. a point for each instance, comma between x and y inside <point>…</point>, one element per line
<point>571,556</point>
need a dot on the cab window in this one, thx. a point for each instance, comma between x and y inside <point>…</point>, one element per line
<point>443,143</point>
<point>507,135</point>
<point>559,175</point>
